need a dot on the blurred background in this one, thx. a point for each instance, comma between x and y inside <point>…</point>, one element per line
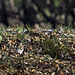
<point>37,12</point>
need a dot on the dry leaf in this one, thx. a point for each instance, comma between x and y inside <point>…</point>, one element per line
<point>57,65</point>
<point>27,68</point>
<point>7,63</point>
<point>40,61</point>
<point>53,73</point>
<point>57,61</point>
<point>31,55</point>
<point>4,47</point>
<point>62,73</point>
<point>30,47</point>
<point>46,63</point>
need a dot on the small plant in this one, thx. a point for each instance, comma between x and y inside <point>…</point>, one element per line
<point>54,47</point>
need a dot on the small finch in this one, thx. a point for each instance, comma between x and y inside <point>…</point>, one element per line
<point>20,49</point>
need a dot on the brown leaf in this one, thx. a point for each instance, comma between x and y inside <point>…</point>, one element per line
<point>4,47</point>
<point>53,73</point>
<point>31,47</point>
<point>56,65</point>
<point>7,63</point>
<point>61,73</point>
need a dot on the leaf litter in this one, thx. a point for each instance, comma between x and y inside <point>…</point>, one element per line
<point>46,52</point>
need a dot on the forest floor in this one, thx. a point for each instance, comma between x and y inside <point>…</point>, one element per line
<point>37,52</point>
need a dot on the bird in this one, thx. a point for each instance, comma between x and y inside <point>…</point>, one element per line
<point>20,48</point>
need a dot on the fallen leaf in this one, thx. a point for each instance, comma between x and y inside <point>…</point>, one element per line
<point>61,73</point>
<point>4,47</point>
<point>53,73</point>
